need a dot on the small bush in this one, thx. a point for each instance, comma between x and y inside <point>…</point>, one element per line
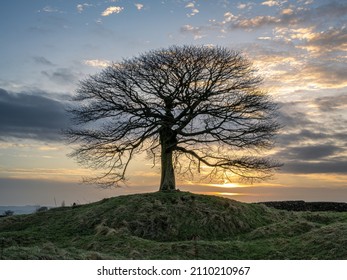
<point>41,209</point>
<point>8,213</point>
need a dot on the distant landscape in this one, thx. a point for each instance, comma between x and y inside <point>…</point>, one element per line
<point>175,225</point>
<point>18,210</point>
<point>295,205</point>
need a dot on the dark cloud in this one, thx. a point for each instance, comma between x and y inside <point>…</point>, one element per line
<point>312,152</point>
<point>311,143</point>
<point>331,103</point>
<point>327,121</point>
<point>333,9</point>
<point>299,126</point>
<point>327,73</point>
<point>306,135</point>
<point>325,153</point>
<point>293,118</point>
<point>31,116</point>
<point>332,166</point>
<point>295,122</point>
<point>42,60</point>
<point>61,76</point>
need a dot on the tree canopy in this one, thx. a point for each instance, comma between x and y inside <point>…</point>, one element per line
<point>191,108</point>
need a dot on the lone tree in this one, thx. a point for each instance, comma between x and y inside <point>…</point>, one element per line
<point>194,108</point>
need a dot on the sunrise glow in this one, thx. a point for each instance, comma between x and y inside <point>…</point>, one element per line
<point>48,47</point>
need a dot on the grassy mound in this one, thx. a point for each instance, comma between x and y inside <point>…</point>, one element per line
<point>177,216</point>
<point>175,225</point>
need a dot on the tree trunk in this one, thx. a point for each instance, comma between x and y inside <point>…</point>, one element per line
<point>167,182</point>
<point>168,143</point>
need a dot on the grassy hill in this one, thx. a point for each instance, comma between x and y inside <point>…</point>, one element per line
<point>176,225</point>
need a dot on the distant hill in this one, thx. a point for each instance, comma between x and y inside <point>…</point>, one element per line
<point>174,225</point>
<point>18,210</point>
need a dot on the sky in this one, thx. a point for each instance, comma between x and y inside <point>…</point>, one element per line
<point>47,47</point>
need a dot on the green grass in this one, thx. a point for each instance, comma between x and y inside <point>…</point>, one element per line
<point>175,225</point>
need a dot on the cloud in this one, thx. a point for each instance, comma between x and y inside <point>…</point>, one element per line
<point>194,10</point>
<point>190,5</point>
<point>255,22</point>
<point>189,28</point>
<point>314,118</point>
<point>308,2</point>
<point>335,167</point>
<point>31,115</point>
<point>45,173</point>
<point>80,7</point>
<point>229,16</point>
<point>326,44</point>
<point>333,9</point>
<point>312,152</point>
<point>271,3</point>
<point>42,60</point>
<point>309,74</point>
<point>331,103</point>
<point>264,38</point>
<point>293,118</point>
<point>232,22</point>
<point>97,63</point>
<point>112,10</point>
<point>291,16</point>
<point>291,24</point>
<point>313,137</point>
<point>242,6</point>
<point>139,6</point>
<point>35,191</point>
<point>288,67</point>
<point>196,31</point>
<point>287,12</point>
<point>324,153</point>
<point>327,74</point>
<point>61,75</point>
<point>301,136</point>
<point>49,9</point>
<point>331,40</point>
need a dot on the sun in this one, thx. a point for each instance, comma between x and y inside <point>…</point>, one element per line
<point>230,185</point>
<point>226,185</point>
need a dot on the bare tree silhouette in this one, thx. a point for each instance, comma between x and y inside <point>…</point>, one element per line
<point>192,107</point>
